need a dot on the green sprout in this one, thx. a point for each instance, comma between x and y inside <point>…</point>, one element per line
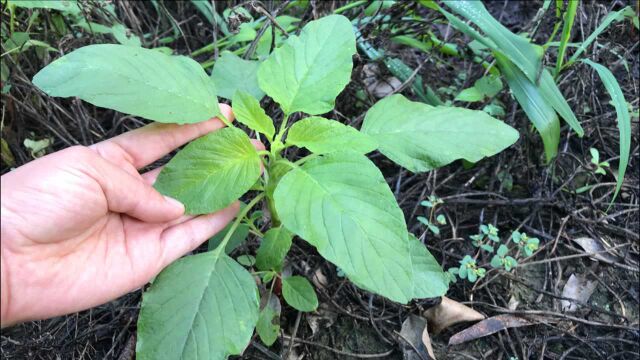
<point>595,160</point>
<point>502,260</point>
<point>527,244</point>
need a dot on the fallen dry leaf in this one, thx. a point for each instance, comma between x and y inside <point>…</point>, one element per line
<point>426,340</point>
<point>577,288</point>
<point>487,327</point>
<point>449,312</point>
<point>413,331</point>
<point>591,245</point>
<point>323,317</point>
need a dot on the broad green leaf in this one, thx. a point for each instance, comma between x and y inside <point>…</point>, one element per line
<point>211,172</point>
<point>232,73</point>
<point>70,6</point>
<point>538,110</point>
<point>298,292</point>
<point>552,95</point>
<point>203,306</point>
<point>309,71</point>
<point>264,44</point>
<point>133,80</point>
<point>486,86</point>
<point>268,326</point>
<point>248,111</point>
<point>237,238</point>
<point>428,278</point>
<point>322,136</point>
<point>341,204</point>
<point>624,119</point>
<point>526,56</point>
<point>273,249</point>
<point>420,137</point>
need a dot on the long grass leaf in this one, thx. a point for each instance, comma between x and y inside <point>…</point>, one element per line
<point>525,55</point>
<point>611,17</point>
<point>569,17</point>
<point>550,92</point>
<point>539,112</point>
<point>624,119</point>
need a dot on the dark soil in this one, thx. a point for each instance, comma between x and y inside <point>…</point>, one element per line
<point>541,200</point>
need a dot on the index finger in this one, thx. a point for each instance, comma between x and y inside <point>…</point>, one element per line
<point>147,144</point>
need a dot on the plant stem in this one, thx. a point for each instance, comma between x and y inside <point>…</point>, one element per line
<point>237,222</point>
<point>349,6</point>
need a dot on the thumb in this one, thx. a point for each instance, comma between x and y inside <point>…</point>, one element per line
<point>131,195</point>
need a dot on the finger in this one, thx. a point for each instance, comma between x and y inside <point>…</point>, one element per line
<point>143,146</point>
<point>150,176</point>
<point>129,194</point>
<point>182,238</point>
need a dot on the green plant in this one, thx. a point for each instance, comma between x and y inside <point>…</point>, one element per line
<point>595,161</point>
<point>207,305</point>
<point>533,86</point>
<point>440,219</point>
<point>485,241</point>
<point>527,244</point>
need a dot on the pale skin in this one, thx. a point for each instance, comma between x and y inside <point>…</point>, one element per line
<point>82,226</point>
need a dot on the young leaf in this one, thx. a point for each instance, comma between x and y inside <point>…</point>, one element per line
<point>201,306</point>
<point>420,137</point>
<point>237,238</point>
<point>246,260</point>
<point>322,136</point>
<point>133,80</point>
<point>502,250</point>
<point>486,86</point>
<point>341,204</point>
<point>268,326</point>
<point>273,249</point>
<point>298,292</point>
<point>538,110</point>
<point>496,261</point>
<point>232,73</point>
<point>428,278</point>
<point>211,172</point>
<point>248,111</point>
<point>308,72</point>
<point>624,119</point>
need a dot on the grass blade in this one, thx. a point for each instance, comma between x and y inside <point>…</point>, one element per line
<point>611,17</point>
<point>550,92</point>
<point>624,119</point>
<point>569,17</point>
<point>539,112</point>
<point>525,55</point>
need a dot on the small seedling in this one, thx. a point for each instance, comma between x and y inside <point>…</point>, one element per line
<point>432,204</point>
<point>595,161</point>
<point>502,260</point>
<point>527,244</point>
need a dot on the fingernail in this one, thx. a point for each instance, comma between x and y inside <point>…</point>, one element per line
<point>175,203</point>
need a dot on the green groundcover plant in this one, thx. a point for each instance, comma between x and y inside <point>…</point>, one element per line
<point>207,305</point>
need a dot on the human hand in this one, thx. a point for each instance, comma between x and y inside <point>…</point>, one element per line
<point>81,226</point>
